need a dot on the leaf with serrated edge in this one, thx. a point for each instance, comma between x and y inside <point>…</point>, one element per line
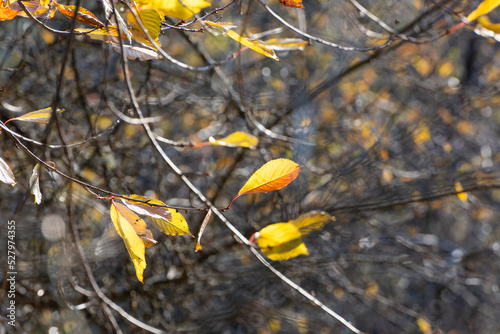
<point>135,246</point>
<point>202,229</point>
<point>143,207</point>
<point>236,139</point>
<point>175,226</point>
<point>310,221</point>
<point>35,184</point>
<point>138,224</point>
<point>6,175</point>
<point>281,241</point>
<point>38,116</point>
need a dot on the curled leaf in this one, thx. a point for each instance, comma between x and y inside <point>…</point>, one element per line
<point>134,52</point>
<point>6,175</point>
<point>135,245</point>
<point>202,229</point>
<point>236,139</point>
<point>84,16</point>
<point>147,207</point>
<point>38,116</point>
<point>35,184</point>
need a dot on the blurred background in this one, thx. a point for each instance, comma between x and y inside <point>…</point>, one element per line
<point>400,144</point>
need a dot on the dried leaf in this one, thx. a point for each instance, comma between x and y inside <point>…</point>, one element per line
<point>151,21</point>
<point>146,209</point>
<point>202,229</point>
<point>281,241</point>
<point>134,52</point>
<point>35,184</point>
<point>181,9</point>
<point>39,116</point>
<point>237,139</point>
<point>292,3</point>
<point>175,226</point>
<point>310,221</point>
<point>6,175</point>
<point>257,46</point>
<point>286,44</point>
<point>135,245</point>
<point>484,8</point>
<point>84,16</point>
<point>139,225</point>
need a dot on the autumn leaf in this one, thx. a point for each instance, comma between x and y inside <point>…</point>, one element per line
<point>175,226</point>
<point>235,139</point>
<point>286,44</point>
<point>134,52</point>
<point>283,241</point>
<point>292,3</point>
<point>484,8</point>
<point>7,13</point>
<point>151,21</point>
<point>139,225</point>
<point>35,184</point>
<point>36,8</point>
<point>258,46</point>
<point>106,34</point>
<point>6,175</point>
<point>273,175</point>
<point>180,9</point>
<point>147,207</point>
<point>202,229</point>
<point>84,15</point>
<point>135,245</point>
<point>38,116</point>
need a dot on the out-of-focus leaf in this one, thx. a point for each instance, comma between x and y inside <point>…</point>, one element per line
<point>7,13</point>
<point>281,241</point>
<point>39,116</point>
<point>134,52</point>
<point>135,245</point>
<point>181,9</point>
<point>292,3</point>
<point>485,22</point>
<point>202,229</point>
<point>106,34</point>
<point>36,8</point>
<point>236,139</point>
<point>310,221</point>
<point>146,209</point>
<point>84,16</point>
<point>151,21</point>
<point>35,184</point>
<point>175,226</point>
<point>257,46</point>
<point>6,174</point>
<point>139,225</point>
<point>286,44</point>
<point>484,8</point>
<point>424,326</point>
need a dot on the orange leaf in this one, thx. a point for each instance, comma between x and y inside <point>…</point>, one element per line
<point>84,15</point>
<point>7,13</point>
<point>292,3</point>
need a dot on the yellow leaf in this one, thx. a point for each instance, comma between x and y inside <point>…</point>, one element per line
<point>147,207</point>
<point>135,246</point>
<point>313,220</point>
<point>461,195</point>
<point>424,326</point>
<point>484,8</point>
<point>286,44</point>
<point>257,46</point>
<point>236,139</point>
<point>281,241</point>
<point>177,225</point>
<point>139,225</point>
<point>485,22</point>
<point>181,9</point>
<point>35,184</point>
<point>7,13</point>
<point>39,116</point>
<point>84,16</point>
<point>151,21</point>
<point>106,34</point>
<point>273,175</point>
<point>6,175</point>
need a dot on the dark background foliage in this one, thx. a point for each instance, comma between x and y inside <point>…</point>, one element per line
<point>387,139</point>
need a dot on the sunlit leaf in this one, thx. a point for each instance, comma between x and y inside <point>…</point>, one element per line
<point>281,241</point>
<point>135,245</point>
<point>181,9</point>
<point>292,3</point>
<point>116,20</point>
<point>147,207</point>
<point>106,34</point>
<point>151,21</point>
<point>424,326</point>
<point>6,175</point>
<point>236,139</point>
<point>484,8</point>
<point>257,46</point>
<point>175,226</point>
<point>485,22</point>
<point>7,13</point>
<point>273,175</point>
<point>310,221</point>
<point>202,229</point>
<point>139,225</point>
<point>286,44</point>
<point>35,184</point>
<point>84,15</point>
<point>134,52</point>
<point>38,116</point>
<point>36,8</point>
